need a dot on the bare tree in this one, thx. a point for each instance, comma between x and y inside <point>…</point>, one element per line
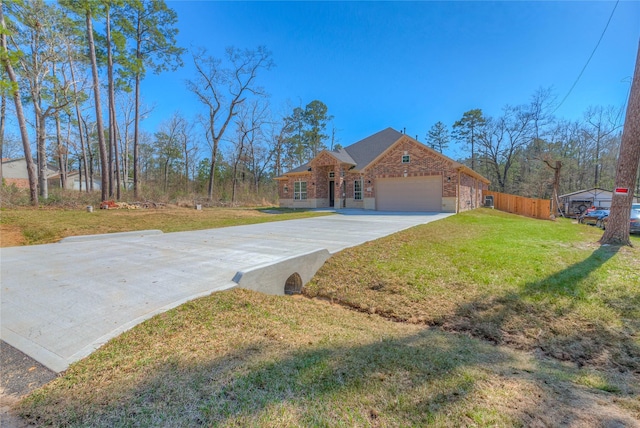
<point>3,119</point>
<point>41,35</point>
<point>223,89</point>
<point>556,183</point>
<point>617,232</point>
<point>22,123</point>
<point>78,96</point>
<point>540,108</point>
<point>251,118</point>
<point>261,153</point>
<point>168,145</point>
<point>501,140</point>
<point>189,151</point>
<point>96,94</point>
<point>601,123</point>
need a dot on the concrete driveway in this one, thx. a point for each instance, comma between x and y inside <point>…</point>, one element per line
<point>60,302</point>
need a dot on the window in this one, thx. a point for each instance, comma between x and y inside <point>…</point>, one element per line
<point>405,158</point>
<point>357,190</point>
<point>332,174</point>
<point>299,190</point>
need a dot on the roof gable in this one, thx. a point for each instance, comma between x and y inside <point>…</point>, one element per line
<point>367,150</point>
<point>325,156</point>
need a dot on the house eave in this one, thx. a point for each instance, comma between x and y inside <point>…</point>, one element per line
<point>472,173</point>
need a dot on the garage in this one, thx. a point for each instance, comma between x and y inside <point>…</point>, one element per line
<point>409,194</point>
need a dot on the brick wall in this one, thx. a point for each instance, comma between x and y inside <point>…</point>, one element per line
<point>20,183</point>
<point>471,190</point>
<point>423,162</point>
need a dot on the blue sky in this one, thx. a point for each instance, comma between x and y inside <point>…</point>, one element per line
<point>411,64</point>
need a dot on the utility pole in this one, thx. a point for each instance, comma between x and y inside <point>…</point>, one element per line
<point>617,232</point>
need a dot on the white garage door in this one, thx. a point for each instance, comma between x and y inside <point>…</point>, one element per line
<point>409,194</point>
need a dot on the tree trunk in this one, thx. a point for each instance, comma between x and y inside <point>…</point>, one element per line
<point>136,119</point>
<point>235,176</point>
<point>89,160</point>
<point>3,112</point>
<point>22,123</point>
<point>42,153</point>
<point>116,155</point>
<point>96,90</point>
<point>214,156</point>
<point>617,231</point>
<point>80,133</point>
<point>186,163</point>
<point>556,185</point>
<point>110,89</point>
<point>62,151</point>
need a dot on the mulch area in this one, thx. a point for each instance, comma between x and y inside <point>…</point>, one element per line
<point>19,375</point>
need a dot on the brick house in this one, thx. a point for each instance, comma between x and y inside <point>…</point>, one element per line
<point>388,171</point>
<point>14,172</point>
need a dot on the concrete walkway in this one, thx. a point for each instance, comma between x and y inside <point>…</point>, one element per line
<point>61,302</point>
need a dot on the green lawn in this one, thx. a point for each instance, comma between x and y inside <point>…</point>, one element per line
<point>506,321</point>
<point>527,283</point>
<point>27,226</point>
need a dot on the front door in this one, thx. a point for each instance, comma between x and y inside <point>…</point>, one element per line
<point>332,193</point>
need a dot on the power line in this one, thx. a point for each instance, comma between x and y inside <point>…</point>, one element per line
<point>590,56</point>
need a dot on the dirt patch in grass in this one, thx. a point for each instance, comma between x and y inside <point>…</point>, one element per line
<point>11,236</point>
<point>239,358</point>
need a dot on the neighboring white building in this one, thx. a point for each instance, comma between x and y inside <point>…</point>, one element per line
<point>14,172</point>
<point>575,203</point>
<point>74,178</point>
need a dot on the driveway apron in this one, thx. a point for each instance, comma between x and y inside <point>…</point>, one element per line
<point>60,302</point>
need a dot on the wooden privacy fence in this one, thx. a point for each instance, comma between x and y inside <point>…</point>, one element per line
<point>536,208</point>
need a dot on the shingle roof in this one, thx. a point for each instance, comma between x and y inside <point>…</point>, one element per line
<point>366,150</point>
<point>301,168</point>
<point>361,153</point>
<point>340,154</point>
<point>343,156</point>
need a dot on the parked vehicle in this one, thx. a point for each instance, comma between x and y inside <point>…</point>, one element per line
<point>634,226</point>
<point>592,217</point>
<point>634,221</point>
<point>600,223</point>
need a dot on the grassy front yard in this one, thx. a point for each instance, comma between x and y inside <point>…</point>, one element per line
<point>529,284</point>
<point>28,226</point>
<point>506,321</point>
